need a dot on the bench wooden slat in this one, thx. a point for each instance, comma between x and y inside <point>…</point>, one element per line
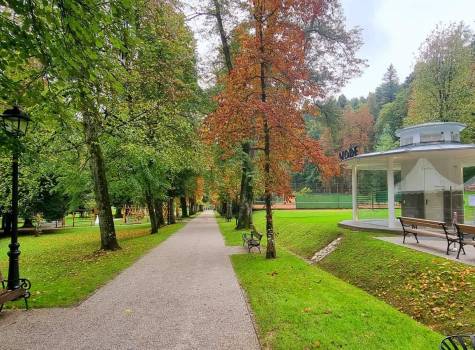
<point>413,225</point>
<point>467,228</point>
<point>429,233</point>
<point>9,295</point>
<point>422,222</point>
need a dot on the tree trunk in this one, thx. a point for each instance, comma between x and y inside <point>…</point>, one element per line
<point>222,35</point>
<point>271,250</point>
<point>118,212</point>
<point>184,207</point>
<point>224,209</point>
<point>246,197</point>
<point>28,223</point>
<point>159,213</point>
<point>192,205</point>
<point>151,213</point>
<point>229,211</point>
<point>171,211</point>
<point>101,192</point>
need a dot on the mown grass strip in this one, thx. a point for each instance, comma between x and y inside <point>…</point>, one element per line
<point>433,290</point>
<point>298,306</point>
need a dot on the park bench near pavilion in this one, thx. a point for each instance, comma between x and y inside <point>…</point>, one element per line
<point>7,295</point>
<point>466,234</point>
<point>253,240</point>
<point>431,228</point>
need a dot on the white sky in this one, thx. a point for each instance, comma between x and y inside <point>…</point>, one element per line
<point>393,30</point>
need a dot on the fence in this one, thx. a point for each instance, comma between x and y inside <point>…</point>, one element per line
<point>323,201</point>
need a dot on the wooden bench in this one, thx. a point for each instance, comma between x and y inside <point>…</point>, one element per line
<point>464,232</point>
<point>253,240</point>
<point>7,295</point>
<point>428,228</point>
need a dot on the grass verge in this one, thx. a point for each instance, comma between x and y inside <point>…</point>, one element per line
<point>433,290</point>
<point>65,266</point>
<point>298,306</point>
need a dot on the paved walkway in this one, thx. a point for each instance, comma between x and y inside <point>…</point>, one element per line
<point>182,295</point>
<point>434,246</point>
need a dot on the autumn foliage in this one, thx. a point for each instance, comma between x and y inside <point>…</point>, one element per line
<point>242,114</point>
<point>358,128</point>
<point>268,93</point>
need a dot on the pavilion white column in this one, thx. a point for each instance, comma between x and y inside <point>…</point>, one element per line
<point>354,192</point>
<point>390,179</point>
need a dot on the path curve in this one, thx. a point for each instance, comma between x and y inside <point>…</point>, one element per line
<point>183,294</point>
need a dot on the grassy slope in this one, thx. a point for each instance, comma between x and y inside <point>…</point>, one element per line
<point>66,266</point>
<point>435,291</point>
<point>298,306</point>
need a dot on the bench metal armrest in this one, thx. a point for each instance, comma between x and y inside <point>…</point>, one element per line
<point>24,284</point>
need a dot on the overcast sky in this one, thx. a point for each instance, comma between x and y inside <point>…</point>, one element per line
<point>393,31</point>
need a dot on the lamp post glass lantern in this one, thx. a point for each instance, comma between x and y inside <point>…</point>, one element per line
<point>15,124</point>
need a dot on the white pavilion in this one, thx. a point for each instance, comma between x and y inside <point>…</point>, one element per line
<point>431,159</point>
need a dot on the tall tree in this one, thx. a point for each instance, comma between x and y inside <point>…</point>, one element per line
<point>444,84</point>
<point>220,11</point>
<point>358,128</point>
<point>79,82</point>
<point>268,86</point>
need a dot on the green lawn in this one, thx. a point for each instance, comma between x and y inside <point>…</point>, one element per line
<point>299,306</point>
<point>66,266</point>
<point>433,290</point>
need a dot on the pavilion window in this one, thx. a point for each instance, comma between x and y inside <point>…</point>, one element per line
<point>455,137</point>
<point>432,137</point>
<point>409,140</point>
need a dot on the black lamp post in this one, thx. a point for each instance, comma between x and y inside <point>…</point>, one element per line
<point>15,124</point>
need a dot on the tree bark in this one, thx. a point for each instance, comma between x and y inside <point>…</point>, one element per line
<point>271,250</point>
<point>171,211</point>
<point>118,212</point>
<point>160,219</point>
<point>229,211</point>
<point>101,191</point>
<point>192,205</point>
<point>151,212</point>
<point>222,34</point>
<point>246,197</point>
<point>28,223</point>
<point>184,207</point>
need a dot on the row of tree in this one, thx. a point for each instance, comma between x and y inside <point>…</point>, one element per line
<point>112,91</point>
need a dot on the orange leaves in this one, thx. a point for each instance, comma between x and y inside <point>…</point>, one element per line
<point>269,89</point>
<point>358,128</point>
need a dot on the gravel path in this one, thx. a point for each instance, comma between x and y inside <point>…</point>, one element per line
<point>182,295</point>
